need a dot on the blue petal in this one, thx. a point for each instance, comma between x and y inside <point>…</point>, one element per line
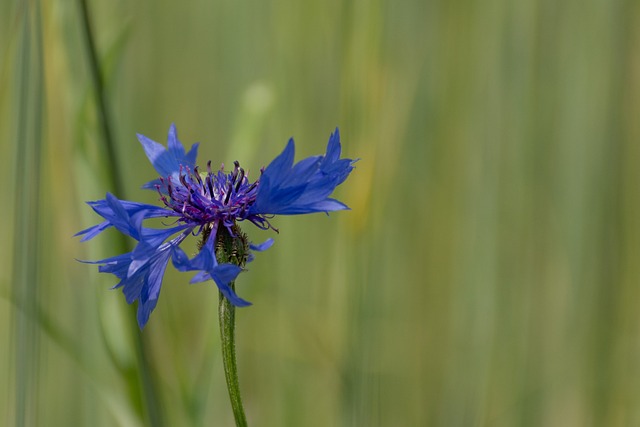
<point>273,198</point>
<point>120,219</point>
<point>152,185</point>
<point>201,276</point>
<point>167,162</point>
<point>230,295</point>
<point>305,187</point>
<point>150,211</point>
<point>150,291</point>
<point>262,246</point>
<point>141,272</point>
<point>117,265</point>
<point>153,237</point>
<point>326,205</point>
<point>205,261</point>
<point>156,153</point>
<point>173,143</point>
<point>333,148</point>
<point>304,170</point>
<point>136,210</point>
<point>280,165</point>
<point>145,309</point>
<point>92,232</point>
<point>226,273</point>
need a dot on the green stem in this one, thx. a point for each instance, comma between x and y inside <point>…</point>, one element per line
<point>226,316</point>
<point>104,117</point>
<point>232,249</point>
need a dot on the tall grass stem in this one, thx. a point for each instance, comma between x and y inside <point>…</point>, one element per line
<point>152,407</point>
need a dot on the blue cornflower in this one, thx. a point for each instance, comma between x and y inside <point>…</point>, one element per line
<point>209,205</point>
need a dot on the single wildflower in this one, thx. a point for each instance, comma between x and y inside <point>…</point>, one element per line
<point>209,204</point>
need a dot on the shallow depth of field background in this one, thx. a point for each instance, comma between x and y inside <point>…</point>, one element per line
<point>488,273</point>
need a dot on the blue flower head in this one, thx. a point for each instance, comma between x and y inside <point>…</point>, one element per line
<point>210,204</point>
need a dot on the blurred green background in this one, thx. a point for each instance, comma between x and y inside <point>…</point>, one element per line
<point>487,274</point>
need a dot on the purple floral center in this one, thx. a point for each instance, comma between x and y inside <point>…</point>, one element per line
<point>212,198</point>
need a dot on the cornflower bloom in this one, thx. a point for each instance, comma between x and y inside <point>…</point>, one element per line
<point>210,204</point>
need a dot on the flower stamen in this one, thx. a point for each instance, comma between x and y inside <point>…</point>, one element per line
<point>240,180</point>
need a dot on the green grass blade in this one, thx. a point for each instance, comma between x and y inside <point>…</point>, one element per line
<point>26,215</point>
